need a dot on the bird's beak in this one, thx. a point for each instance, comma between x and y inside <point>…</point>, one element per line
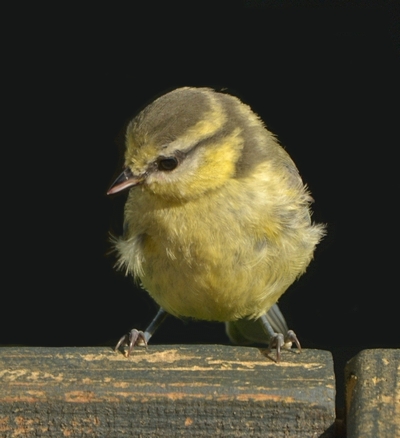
<point>125,180</point>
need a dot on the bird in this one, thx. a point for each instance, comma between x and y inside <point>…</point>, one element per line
<point>217,222</point>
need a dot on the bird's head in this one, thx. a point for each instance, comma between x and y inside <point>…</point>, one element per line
<point>184,144</point>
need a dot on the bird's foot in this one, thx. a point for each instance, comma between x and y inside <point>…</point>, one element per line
<point>279,342</point>
<point>137,337</point>
<point>132,339</point>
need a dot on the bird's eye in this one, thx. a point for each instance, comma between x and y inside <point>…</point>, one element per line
<point>167,164</point>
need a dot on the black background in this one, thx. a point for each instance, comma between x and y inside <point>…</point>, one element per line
<point>323,77</point>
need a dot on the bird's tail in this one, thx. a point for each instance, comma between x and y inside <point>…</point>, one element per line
<point>247,331</point>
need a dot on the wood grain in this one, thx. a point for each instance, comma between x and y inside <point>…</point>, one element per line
<point>174,390</point>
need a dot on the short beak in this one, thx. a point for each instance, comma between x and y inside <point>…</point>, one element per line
<point>125,180</point>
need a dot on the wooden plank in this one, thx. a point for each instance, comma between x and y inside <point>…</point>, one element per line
<point>373,394</point>
<point>174,390</point>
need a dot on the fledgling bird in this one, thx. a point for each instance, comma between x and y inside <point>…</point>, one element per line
<point>217,222</point>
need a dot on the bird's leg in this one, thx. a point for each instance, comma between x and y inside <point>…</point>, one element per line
<point>137,337</point>
<point>277,340</point>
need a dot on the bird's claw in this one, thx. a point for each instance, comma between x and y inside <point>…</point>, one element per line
<point>290,339</point>
<point>132,339</point>
<point>279,342</point>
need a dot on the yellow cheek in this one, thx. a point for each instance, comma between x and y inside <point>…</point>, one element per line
<point>219,161</point>
<point>216,165</point>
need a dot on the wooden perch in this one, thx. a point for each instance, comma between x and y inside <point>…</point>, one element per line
<point>373,394</point>
<point>173,390</point>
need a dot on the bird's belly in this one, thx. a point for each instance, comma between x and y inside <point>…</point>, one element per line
<point>209,259</point>
<point>211,283</point>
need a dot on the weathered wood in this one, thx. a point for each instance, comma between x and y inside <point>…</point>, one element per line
<point>166,391</point>
<point>373,394</point>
